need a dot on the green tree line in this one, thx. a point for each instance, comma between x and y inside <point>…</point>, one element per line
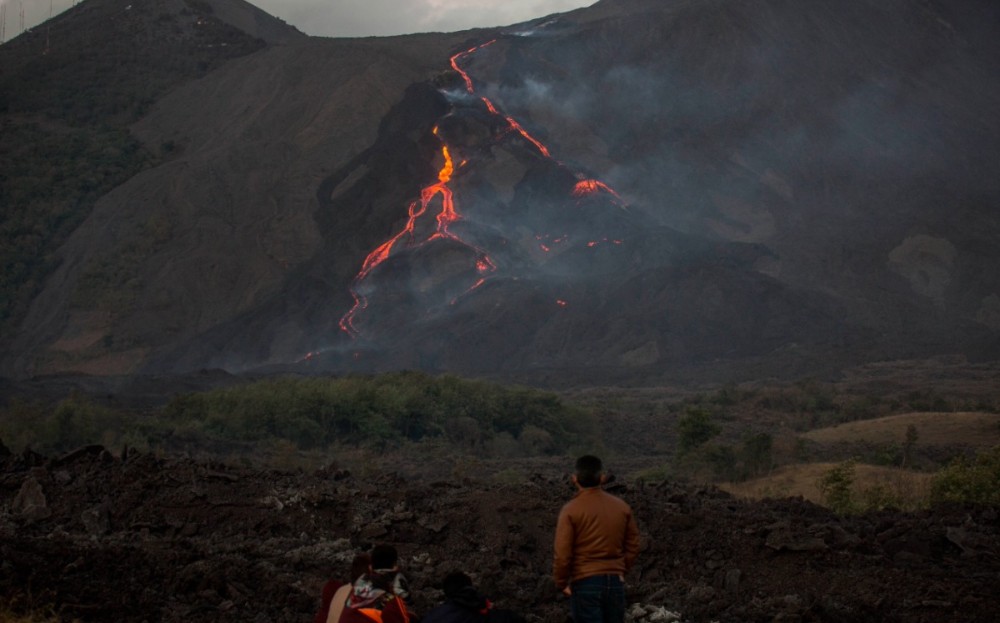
<point>314,413</point>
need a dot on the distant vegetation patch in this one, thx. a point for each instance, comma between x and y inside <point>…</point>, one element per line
<point>851,487</point>
<point>374,410</point>
<point>313,414</point>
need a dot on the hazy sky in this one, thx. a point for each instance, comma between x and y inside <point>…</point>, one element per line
<point>356,18</point>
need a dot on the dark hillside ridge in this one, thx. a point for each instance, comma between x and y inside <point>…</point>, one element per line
<point>792,187</point>
<point>69,89</point>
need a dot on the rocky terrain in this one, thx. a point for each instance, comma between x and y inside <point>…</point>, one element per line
<point>137,537</point>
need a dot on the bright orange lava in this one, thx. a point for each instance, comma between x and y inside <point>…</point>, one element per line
<point>465,76</point>
<point>590,187</point>
<point>448,213</point>
<point>445,218</point>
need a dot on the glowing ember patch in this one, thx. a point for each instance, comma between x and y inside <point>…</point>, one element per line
<point>584,188</point>
<point>561,303</point>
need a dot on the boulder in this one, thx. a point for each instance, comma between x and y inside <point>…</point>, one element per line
<point>30,503</point>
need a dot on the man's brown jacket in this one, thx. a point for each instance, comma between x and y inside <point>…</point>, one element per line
<point>596,535</point>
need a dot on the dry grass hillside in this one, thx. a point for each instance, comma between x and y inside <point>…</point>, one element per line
<point>981,430</point>
<point>803,480</point>
<point>947,432</point>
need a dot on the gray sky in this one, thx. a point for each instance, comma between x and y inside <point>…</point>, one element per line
<point>355,18</point>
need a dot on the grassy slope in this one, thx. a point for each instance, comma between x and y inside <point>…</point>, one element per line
<point>802,479</point>
<point>972,429</point>
<point>976,429</point>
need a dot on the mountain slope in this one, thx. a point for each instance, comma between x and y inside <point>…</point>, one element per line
<point>790,187</point>
<point>68,91</point>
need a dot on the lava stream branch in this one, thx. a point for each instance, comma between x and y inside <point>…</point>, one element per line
<point>444,219</point>
<point>448,213</point>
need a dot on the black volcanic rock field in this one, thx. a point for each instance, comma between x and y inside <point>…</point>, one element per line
<point>141,538</point>
<point>769,189</point>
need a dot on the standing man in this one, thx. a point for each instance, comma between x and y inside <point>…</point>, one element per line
<point>597,542</point>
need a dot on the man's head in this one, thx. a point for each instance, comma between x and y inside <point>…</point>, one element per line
<point>384,557</point>
<point>589,471</point>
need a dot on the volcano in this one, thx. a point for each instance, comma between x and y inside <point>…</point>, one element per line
<point>632,192</point>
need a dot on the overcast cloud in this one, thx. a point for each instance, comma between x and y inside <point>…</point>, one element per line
<point>358,18</point>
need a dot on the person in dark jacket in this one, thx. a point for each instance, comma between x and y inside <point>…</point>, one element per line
<point>464,604</point>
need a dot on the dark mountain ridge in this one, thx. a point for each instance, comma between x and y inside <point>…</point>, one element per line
<point>791,188</point>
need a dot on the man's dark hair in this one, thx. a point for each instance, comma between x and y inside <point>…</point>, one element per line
<point>384,557</point>
<point>589,470</point>
<point>455,583</point>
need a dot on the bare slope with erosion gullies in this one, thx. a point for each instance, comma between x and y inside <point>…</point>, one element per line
<point>69,89</point>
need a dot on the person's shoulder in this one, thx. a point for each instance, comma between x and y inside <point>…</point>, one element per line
<point>614,499</point>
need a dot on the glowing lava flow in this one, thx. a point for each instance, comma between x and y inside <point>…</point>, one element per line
<point>584,188</point>
<point>514,125</point>
<point>445,218</point>
<point>448,215</point>
<point>465,76</point>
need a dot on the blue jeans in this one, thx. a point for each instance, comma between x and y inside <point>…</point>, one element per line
<point>598,599</point>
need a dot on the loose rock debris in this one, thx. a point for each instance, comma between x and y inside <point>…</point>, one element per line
<point>143,538</point>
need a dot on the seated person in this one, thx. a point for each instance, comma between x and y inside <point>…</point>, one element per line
<point>335,594</point>
<point>378,595</point>
<point>464,604</point>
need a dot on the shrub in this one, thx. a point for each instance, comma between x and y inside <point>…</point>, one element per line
<point>694,429</point>
<point>835,487</point>
<point>722,459</point>
<point>757,454</point>
<point>879,497</point>
<point>965,481</point>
